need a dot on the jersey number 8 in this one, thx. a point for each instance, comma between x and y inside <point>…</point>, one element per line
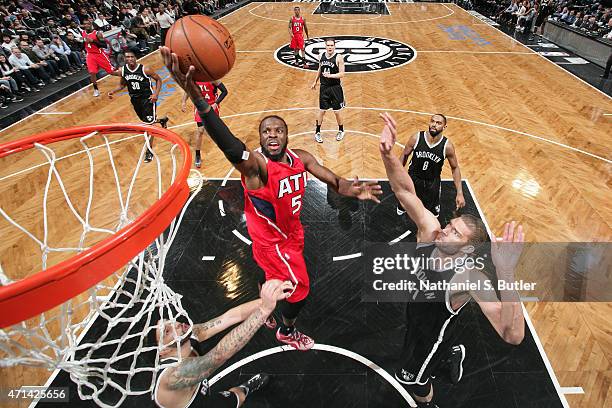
<point>425,165</point>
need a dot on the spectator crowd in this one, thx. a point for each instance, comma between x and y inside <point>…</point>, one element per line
<point>590,16</point>
<point>42,41</point>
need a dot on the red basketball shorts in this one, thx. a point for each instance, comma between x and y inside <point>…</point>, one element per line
<point>95,62</point>
<point>197,117</point>
<point>285,262</point>
<point>297,42</point>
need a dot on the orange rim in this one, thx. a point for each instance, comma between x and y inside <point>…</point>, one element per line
<point>46,289</point>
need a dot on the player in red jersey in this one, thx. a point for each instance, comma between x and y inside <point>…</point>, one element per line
<point>297,28</point>
<point>274,180</point>
<point>96,58</point>
<point>209,92</point>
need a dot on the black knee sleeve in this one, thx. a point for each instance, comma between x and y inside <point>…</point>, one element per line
<point>291,310</point>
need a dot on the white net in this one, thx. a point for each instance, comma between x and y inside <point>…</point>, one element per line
<point>101,337</point>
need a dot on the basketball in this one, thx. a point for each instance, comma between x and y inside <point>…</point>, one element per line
<point>204,43</point>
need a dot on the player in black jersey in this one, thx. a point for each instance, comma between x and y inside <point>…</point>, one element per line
<point>429,149</point>
<point>331,95</point>
<point>138,80</point>
<point>185,383</point>
<point>430,325</point>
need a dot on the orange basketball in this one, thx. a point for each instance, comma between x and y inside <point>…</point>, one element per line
<point>204,43</point>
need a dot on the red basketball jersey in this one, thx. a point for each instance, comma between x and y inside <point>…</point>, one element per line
<point>273,211</point>
<point>209,91</point>
<point>297,25</point>
<point>90,47</point>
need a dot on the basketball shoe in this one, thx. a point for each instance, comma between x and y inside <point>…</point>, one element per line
<point>164,122</point>
<point>296,339</point>
<point>255,383</point>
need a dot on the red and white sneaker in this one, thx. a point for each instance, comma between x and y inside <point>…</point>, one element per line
<point>296,339</point>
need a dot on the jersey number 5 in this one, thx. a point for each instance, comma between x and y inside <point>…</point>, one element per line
<point>296,203</point>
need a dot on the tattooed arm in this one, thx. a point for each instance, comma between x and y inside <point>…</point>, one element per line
<point>235,315</point>
<point>193,370</point>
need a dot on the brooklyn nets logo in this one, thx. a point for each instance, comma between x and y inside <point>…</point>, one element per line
<point>361,54</point>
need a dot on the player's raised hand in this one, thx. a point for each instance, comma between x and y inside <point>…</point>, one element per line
<point>389,134</point>
<point>273,291</point>
<point>506,250</point>
<point>459,201</point>
<point>368,190</point>
<point>185,81</point>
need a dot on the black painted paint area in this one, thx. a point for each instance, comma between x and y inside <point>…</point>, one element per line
<point>496,374</point>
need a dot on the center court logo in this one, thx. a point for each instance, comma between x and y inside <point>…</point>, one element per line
<point>361,54</point>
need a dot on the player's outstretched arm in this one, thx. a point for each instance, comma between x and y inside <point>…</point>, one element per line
<point>193,370</point>
<point>250,165</point>
<point>122,84</point>
<point>402,184</point>
<point>369,190</point>
<point>235,315</point>
<point>504,313</point>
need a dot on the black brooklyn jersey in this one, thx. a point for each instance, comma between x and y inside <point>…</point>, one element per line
<point>429,319</point>
<point>330,66</point>
<point>427,161</point>
<point>138,83</point>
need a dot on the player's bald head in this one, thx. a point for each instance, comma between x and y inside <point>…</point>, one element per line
<point>439,116</point>
<point>272,118</point>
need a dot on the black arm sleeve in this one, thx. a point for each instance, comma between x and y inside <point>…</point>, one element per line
<point>232,147</point>
<point>223,94</point>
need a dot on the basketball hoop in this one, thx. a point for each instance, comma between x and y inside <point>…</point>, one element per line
<point>117,278</point>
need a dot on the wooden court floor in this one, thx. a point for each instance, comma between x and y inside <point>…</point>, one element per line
<point>532,139</point>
